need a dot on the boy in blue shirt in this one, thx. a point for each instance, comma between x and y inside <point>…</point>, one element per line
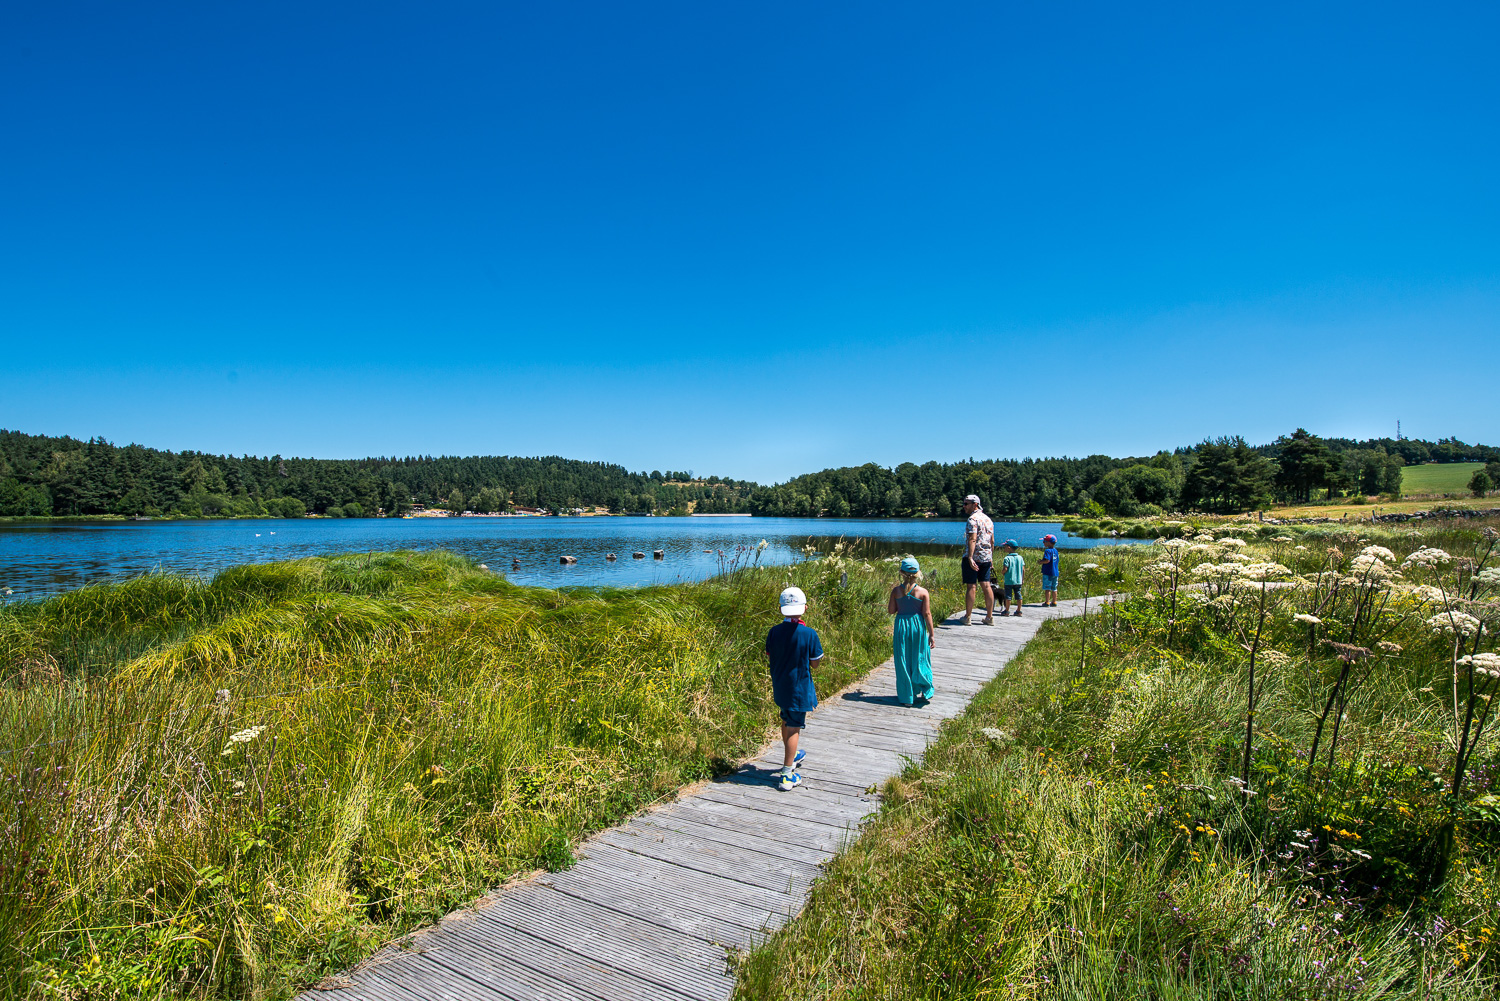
<point>1049,572</point>
<point>794,650</point>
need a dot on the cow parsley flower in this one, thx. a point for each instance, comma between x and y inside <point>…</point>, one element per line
<point>1380,552</point>
<point>1386,646</point>
<point>1427,559</point>
<point>1369,567</point>
<point>241,737</point>
<point>1231,541</point>
<point>1264,571</point>
<point>1487,664</point>
<point>1306,619</point>
<point>1460,623</point>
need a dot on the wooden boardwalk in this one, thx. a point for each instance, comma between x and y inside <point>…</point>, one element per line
<point>650,909</point>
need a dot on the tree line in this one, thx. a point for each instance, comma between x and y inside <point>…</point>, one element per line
<point>1219,475</point>
<point>41,475</point>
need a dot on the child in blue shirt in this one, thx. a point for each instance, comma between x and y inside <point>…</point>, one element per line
<point>1049,572</point>
<point>794,650</point>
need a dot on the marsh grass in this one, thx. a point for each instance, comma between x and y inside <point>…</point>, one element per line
<point>231,788</point>
<point>1077,834</point>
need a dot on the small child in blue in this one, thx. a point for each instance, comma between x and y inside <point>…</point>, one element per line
<point>794,650</point>
<point>1049,572</point>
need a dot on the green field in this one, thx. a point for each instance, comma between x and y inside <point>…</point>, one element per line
<point>1438,477</point>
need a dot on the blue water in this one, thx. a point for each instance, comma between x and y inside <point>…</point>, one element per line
<point>41,559</point>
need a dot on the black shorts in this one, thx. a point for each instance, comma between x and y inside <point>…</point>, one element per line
<point>972,576</point>
<point>792,717</point>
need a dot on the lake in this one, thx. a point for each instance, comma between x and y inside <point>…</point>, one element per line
<point>45,558</point>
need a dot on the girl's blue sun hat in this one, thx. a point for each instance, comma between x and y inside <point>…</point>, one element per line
<point>909,565</point>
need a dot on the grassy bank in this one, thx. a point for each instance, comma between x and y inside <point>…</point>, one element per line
<point>230,788</point>
<point>1080,833</point>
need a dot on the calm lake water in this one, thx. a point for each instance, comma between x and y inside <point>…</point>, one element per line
<point>41,559</point>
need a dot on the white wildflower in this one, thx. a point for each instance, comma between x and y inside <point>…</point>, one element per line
<point>1427,558</point>
<point>1426,594</point>
<point>242,737</point>
<point>1488,577</point>
<point>1487,664</point>
<point>1264,571</point>
<point>1379,552</point>
<point>1306,619</point>
<point>1173,543</point>
<point>1388,647</point>
<point>1230,541</point>
<point>1369,568</point>
<point>1300,549</point>
<point>1282,538</point>
<point>997,735</point>
<point>1203,537</point>
<point>1450,623</point>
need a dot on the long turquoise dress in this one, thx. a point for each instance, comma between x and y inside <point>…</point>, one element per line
<point>912,654</point>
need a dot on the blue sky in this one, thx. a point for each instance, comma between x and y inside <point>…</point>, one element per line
<point>754,240</point>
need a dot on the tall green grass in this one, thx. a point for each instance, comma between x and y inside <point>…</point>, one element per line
<point>1076,835</point>
<point>231,788</point>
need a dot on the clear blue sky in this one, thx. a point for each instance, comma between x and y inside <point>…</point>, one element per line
<point>751,239</point>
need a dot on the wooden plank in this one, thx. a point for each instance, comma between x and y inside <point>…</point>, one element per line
<point>645,950</point>
<point>440,981</point>
<point>729,924</point>
<point>821,838</point>
<point>782,848</point>
<point>715,859</point>
<point>499,949</point>
<point>651,870</point>
<point>804,802</point>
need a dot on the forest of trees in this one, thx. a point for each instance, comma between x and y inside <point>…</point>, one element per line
<point>42,476</point>
<point>1220,475</point>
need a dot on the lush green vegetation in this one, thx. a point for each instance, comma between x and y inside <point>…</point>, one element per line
<point>42,476</point>
<point>1439,478</point>
<point>227,789</point>
<point>1084,831</point>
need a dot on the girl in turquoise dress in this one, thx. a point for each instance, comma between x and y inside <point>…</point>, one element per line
<point>911,641</point>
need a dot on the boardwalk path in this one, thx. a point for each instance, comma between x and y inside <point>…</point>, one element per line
<point>649,910</point>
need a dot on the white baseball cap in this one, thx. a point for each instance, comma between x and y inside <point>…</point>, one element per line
<point>793,601</point>
<point>973,499</point>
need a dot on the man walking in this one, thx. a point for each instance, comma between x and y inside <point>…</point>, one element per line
<point>978,561</point>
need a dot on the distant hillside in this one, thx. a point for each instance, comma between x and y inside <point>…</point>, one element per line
<point>41,475</point>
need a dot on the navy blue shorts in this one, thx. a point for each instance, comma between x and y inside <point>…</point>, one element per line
<point>792,717</point>
<point>972,576</point>
<point>1013,591</point>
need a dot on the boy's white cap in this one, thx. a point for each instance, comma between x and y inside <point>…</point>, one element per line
<point>793,601</point>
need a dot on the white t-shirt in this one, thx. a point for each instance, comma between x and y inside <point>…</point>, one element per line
<point>984,546</point>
